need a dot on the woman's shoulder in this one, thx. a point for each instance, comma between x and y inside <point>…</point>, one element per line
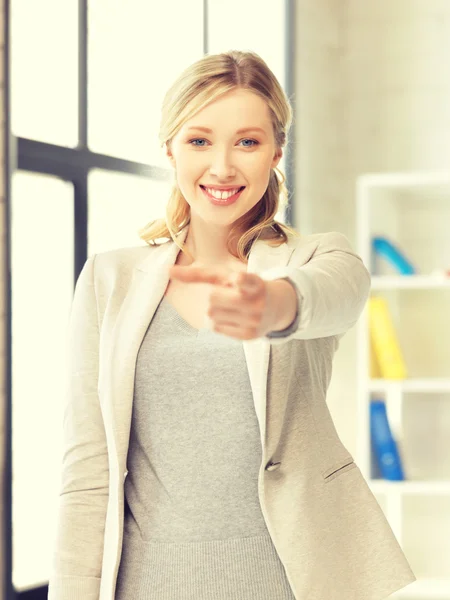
<point>323,241</point>
<point>121,261</point>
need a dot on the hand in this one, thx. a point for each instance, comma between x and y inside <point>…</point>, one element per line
<point>241,305</point>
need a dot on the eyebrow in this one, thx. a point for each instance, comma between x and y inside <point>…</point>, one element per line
<point>243,130</point>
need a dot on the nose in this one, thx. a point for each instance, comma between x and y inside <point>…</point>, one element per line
<point>222,166</point>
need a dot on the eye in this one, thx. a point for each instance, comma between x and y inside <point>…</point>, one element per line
<point>196,140</point>
<point>248,140</point>
<point>254,142</point>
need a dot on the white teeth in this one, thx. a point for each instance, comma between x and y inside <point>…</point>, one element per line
<point>221,195</point>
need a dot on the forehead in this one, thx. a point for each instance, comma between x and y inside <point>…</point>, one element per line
<point>238,131</point>
<point>239,111</point>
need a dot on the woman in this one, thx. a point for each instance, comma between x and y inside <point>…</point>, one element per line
<point>201,460</point>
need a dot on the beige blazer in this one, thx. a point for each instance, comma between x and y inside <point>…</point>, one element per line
<point>327,527</point>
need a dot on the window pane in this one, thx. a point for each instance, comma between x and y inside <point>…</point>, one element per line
<point>42,290</point>
<point>136,49</point>
<point>119,205</point>
<point>265,35</point>
<point>44,70</point>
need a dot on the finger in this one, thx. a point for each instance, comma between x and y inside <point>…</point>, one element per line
<point>236,331</point>
<point>232,308</point>
<point>232,297</point>
<point>249,283</point>
<point>219,317</point>
<point>195,274</point>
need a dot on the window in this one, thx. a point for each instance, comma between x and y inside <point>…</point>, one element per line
<point>42,221</point>
<point>87,83</point>
<point>44,70</point>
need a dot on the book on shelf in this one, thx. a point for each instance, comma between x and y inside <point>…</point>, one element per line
<point>383,443</point>
<point>388,250</point>
<point>375,371</point>
<point>388,357</point>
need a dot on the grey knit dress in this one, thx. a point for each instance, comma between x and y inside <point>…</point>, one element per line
<point>193,526</point>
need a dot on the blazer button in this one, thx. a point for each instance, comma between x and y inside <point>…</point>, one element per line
<point>125,474</point>
<point>271,466</point>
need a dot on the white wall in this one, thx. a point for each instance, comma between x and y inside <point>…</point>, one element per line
<point>397,84</point>
<point>320,106</point>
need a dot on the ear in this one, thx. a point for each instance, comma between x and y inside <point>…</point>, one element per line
<point>169,156</point>
<point>277,158</point>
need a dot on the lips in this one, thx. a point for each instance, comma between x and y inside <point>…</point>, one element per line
<point>238,188</point>
<point>219,201</point>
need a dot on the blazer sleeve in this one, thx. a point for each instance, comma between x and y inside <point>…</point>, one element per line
<point>78,551</point>
<point>332,289</point>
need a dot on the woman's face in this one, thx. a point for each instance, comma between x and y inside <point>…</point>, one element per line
<point>224,157</point>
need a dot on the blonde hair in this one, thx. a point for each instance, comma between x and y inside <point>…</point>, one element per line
<point>200,84</point>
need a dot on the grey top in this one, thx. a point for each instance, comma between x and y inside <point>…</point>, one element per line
<point>193,525</point>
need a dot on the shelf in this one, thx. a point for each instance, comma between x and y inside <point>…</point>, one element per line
<point>426,385</point>
<point>404,180</point>
<point>428,589</point>
<point>407,282</point>
<point>383,486</point>
<point>412,210</point>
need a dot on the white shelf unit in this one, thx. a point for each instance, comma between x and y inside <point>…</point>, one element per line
<point>413,211</point>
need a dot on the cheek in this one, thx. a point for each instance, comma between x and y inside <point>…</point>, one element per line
<point>261,179</point>
<point>259,169</point>
<point>190,170</point>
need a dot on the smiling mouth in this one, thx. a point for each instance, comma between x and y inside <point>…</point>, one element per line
<point>238,189</point>
<point>220,201</point>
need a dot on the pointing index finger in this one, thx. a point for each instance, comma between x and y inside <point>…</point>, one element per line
<point>196,274</point>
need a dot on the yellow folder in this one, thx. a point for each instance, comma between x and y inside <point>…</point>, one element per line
<point>386,348</point>
<point>375,371</point>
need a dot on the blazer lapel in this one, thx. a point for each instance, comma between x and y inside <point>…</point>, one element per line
<point>149,281</point>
